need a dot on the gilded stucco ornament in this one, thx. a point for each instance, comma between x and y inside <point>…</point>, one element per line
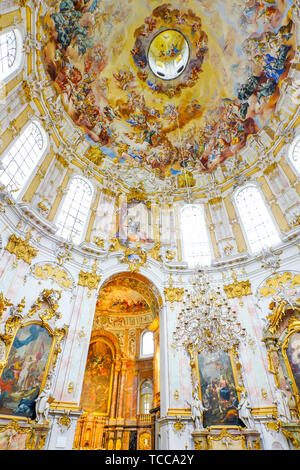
<point>135,257</point>
<point>238,289</point>
<point>89,279</point>
<point>4,303</point>
<point>63,252</point>
<point>64,422</point>
<point>21,249</point>
<point>275,283</point>
<point>270,259</point>
<point>173,294</point>
<point>53,272</point>
<point>50,297</point>
<point>99,242</point>
<point>14,320</point>
<point>35,439</point>
<point>178,426</point>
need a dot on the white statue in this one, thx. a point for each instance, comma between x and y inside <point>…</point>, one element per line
<point>197,410</point>
<point>42,403</point>
<point>281,401</point>
<point>244,410</point>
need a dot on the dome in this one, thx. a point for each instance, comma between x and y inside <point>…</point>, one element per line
<point>167,101</point>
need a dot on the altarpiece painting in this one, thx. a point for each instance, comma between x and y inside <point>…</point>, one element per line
<point>218,384</point>
<point>291,356</point>
<point>26,368</point>
<point>96,390</point>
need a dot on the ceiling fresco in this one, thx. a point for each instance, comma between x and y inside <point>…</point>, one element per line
<point>227,60</point>
<point>127,295</point>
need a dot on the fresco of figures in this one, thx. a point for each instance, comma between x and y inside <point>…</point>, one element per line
<point>22,377</point>
<point>240,52</point>
<point>97,380</point>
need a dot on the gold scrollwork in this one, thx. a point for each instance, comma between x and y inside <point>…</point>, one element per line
<point>227,439</point>
<point>238,289</point>
<point>51,297</point>
<point>273,283</point>
<point>135,258</point>
<point>64,422</point>
<point>173,294</point>
<point>59,334</point>
<point>53,272</point>
<point>12,324</point>
<point>89,280</point>
<point>4,303</point>
<point>178,426</point>
<point>21,249</point>
<point>138,194</point>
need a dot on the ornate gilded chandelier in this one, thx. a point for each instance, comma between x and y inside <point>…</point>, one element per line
<point>207,323</point>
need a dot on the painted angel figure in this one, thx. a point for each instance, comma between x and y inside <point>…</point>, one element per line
<point>244,410</point>
<point>197,410</point>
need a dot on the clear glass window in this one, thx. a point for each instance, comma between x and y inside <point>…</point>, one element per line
<point>146,397</point>
<point>257,222</point>
<point>295,155</point>
<point>19,162</point>
<point>9,53</point>
<point>196,248</point>
<point>147,344</point>
<point>72,217</point>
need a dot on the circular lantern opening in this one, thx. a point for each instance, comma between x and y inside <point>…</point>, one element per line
<point>168,54</point>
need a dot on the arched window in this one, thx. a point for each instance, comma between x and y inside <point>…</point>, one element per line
<point>147,344</point>
<point>196,248</point>
<point>257,222</point>
<point>18,163</point>
<point>146,397</point>
<point>294,154</point>
<point>73,214</point>
<point>10,53</point>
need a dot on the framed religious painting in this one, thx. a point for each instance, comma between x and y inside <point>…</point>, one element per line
<point>216,373</point>
<point>97,383</point>
<point>291,357</point>
<point>26,369</point>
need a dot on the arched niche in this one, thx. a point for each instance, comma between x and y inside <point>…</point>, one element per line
<point>128,305</point>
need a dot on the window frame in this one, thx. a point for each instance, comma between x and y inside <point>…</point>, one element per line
<point>19,58</point>
<point>293,145</point>
<point>239,218</point>
<point>141,344</point>
<point>201,206</point>
<point>147,379</point>
<point>61,205</point>
<point>44,150</point>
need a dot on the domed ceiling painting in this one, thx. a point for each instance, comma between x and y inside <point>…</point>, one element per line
<point>170,86</point>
